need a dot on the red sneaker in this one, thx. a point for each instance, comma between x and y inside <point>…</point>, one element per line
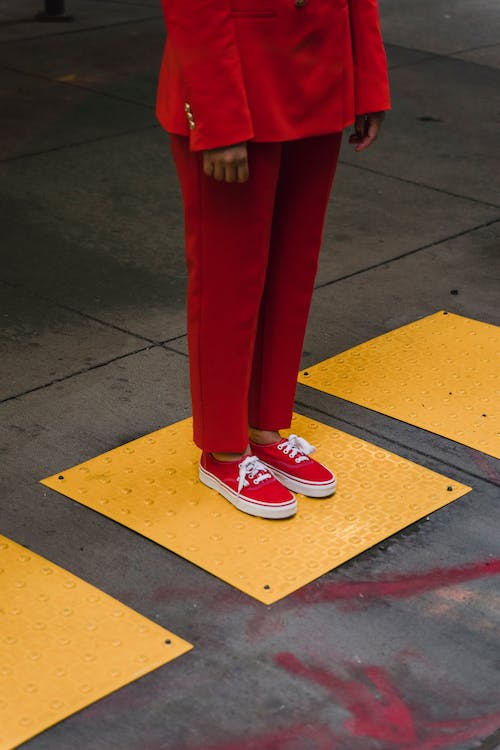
<point>248,485</point>
<point>290,463</point>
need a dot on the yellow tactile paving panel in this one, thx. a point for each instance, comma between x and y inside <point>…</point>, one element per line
<point>64,644</point>
<point>440,373</point>
<point>151,485</point>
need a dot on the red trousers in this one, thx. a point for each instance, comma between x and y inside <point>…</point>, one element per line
<point>252,254</point>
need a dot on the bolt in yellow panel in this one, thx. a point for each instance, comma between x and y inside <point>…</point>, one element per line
<point>440,373</point>
<point>151,485</point>
<point>64,644</point>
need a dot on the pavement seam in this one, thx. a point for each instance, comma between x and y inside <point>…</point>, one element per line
<point>80,31</point>
<point>302,404</point>
<point>418,184</point>
<point>71,84</point>
<point>407,254</point>
<point>472,49</point>
<point>429,55</point>
<point>399,443</point>
<point>176,351</point>
<point>163,343</point>
<point>173,338</point>
<point>87,316</point>
<point>76,144</point>
<point>83,371</point>
<point>127,2</point>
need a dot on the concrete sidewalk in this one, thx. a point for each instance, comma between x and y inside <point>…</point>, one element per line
<point>93,354</point>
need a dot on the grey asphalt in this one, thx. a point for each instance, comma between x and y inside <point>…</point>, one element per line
<point>397,649</point>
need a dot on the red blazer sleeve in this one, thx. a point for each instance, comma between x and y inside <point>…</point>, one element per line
<point>202,38</point>
<point>371,85</point>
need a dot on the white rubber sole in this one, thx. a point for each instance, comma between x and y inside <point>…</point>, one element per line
<point>309,489</point>
<point>282,510</point>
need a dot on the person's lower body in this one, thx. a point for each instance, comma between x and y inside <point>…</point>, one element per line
<point>252,252</point>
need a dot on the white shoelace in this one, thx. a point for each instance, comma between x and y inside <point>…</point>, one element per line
<point>254,469</point>
<point>294,445</point>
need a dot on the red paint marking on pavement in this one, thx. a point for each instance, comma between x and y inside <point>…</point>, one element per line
<point>265,623</point>
<point>399,587</point>
<point>353,593</point>
<point>377,712</point>
<point>484,465</point>
<point>460,730</point>
<point>282,739</point>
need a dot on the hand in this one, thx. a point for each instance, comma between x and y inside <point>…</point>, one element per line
<point>229,164</point>
<point>367,128</point>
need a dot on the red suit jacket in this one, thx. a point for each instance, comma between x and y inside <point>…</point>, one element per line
<point>269,70</point>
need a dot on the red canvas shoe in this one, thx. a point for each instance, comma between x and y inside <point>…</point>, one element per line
<point>289,461</point>
<point>248,485</point>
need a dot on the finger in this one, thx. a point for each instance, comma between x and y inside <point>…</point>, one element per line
<point>219,171</point>
<point>358,140</point>
<point>365,143</point>
<point>372,135</point>
<point>243,171</point>
<point>230,172</point>
<point>373,131</point>
<point>208,165</point>
<point>359,130</point>
<point>359,125</point>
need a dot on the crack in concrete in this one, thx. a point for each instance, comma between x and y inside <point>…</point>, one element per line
<point>429,55</point>
<point>71,84</point>
<point>83,371</point>
<point>76,144</point>
<point>163,343</point>
<point>407,254</point>
<point>177,351</point>
<point>60,305</point>
<point>443,191</point>
<point>80,31</point>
